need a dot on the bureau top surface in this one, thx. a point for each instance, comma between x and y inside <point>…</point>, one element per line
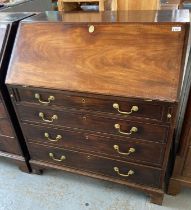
<point>113,16</point>
<point>132,59</point>
<point>9,17</point>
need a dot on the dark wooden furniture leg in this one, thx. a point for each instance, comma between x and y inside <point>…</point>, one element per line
<point>157,198</point>
<point>174,187</point>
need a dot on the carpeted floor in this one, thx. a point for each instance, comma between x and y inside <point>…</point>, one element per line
<point>56,190</point>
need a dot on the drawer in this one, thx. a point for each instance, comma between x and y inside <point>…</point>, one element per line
<point>112,105</point>
<point>6,128</point>
<point>94,164</point>
<point>187,165</point>
<point>129,150</point>
<point>104,124</point>
<point>9,145</point>
<point>3,113</point>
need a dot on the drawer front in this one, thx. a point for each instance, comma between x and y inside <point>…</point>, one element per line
<point>129,150</point>
<point>6,128</point>
<point>82,120</point>
<point>9,145</point>
<point>126,108</point>
<point>84,162</point>
<point>3,113</point>
<point>187,166</point>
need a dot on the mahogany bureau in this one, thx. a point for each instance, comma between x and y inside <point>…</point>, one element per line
<point>12,144</point>
<point>97,93</point>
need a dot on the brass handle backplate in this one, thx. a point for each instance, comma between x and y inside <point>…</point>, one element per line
<point>50,98</point>
<point>58,137</point>
<point>62,158</point>
<point>133,109</point>
<point>54,117</point>
<point>133,130</point>
<point>130,172</point>
<point>131,150</point>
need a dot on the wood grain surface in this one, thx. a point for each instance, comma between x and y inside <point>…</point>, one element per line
<point>147,152</point>
<point>3,113</point>
<point>95,103</point>
<point>9,145</point>
<point>138,4</point>
<point>182,169</point>
<point>139,60</point>
<point>187,168</point>
<point>96,123</point>
<point>123,56</point>
<point>12,144</point>
<point>144,175</point>
<point>138,16</point>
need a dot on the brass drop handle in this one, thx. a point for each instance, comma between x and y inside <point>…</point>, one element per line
<point>131,150</point>
<point>133,109</point>
<point>133,130</point>
<point>130,172</point>
<point>54,117</point>
<point>91,29</point>
<point>62,158</point>
<point>50,98</point>
<point>58,137</point>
